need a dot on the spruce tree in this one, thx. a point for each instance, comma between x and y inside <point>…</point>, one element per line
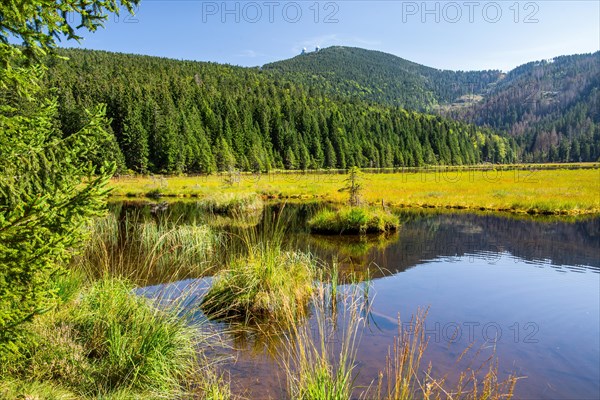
<point>49,187</point>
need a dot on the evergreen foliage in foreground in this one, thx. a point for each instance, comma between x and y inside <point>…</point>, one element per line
<point>47,192</point>
<point>49,187</point>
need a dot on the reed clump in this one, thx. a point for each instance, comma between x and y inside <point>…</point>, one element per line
<point>320,363</point>
<point>353,220</point>
<point>407,380</point>
<point>263,281</point>
<point>147,252</point>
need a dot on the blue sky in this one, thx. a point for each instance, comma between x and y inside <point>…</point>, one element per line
<point>443,34</point>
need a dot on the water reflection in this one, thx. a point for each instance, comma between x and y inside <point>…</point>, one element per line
<point>531,286</point>
<point>563,246</point>
<point>424,235</point>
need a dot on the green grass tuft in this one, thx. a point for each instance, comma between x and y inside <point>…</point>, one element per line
<point>233,204</point>
<point>266,284</point>
<point>107,342</point>
<point>353,220</point>
<point>130,342</point>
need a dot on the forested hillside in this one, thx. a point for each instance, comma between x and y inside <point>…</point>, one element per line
<point>173,116</point>
<point>550,107</point>
<point>380,77</point>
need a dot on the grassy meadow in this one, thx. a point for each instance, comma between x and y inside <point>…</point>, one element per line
<point>524,189</point>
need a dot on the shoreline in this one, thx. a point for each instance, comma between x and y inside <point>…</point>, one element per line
<point>553,191</point>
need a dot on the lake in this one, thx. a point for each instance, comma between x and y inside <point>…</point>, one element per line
<point>525,288</point>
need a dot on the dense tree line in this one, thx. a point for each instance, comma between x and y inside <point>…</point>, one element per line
<point>171,116</point>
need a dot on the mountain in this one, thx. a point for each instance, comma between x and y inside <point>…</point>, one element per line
<point>550,107</point>
<point>170,116</point>
<point>380,77</point>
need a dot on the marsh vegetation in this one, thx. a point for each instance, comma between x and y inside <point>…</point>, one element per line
<point>152,304</point>
<point>306,297</point>
<point>535,189</point>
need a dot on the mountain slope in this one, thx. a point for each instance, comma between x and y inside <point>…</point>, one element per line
<point>380,77</point>
<point>550,107</point>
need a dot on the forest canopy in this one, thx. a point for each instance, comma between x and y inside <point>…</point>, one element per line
<point>171,116</point>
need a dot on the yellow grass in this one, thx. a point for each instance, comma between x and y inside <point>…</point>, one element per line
<point>544,191</point>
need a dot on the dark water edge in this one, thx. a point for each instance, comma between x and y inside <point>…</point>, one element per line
<point>530,288</point>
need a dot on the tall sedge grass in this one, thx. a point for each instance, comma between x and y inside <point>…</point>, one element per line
<point>107,342</point>
<point>265,282</point>
<point>403,364</point>
<point>147,252</point>
<point>407,380</point>
<point>320,360</point>
<point>320,363</point>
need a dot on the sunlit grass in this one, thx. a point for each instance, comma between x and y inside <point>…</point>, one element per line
<point>353,220</point>
<point>232,203</point>
<point>406,379</point>
<point>264,282</point>
<point>318,367</point>
<point>261,286</point>
<point>104,341</point>
<point>551,191</point>
<point>147,252</point>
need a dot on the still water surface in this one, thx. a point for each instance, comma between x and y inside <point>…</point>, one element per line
<point>528,288</point>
